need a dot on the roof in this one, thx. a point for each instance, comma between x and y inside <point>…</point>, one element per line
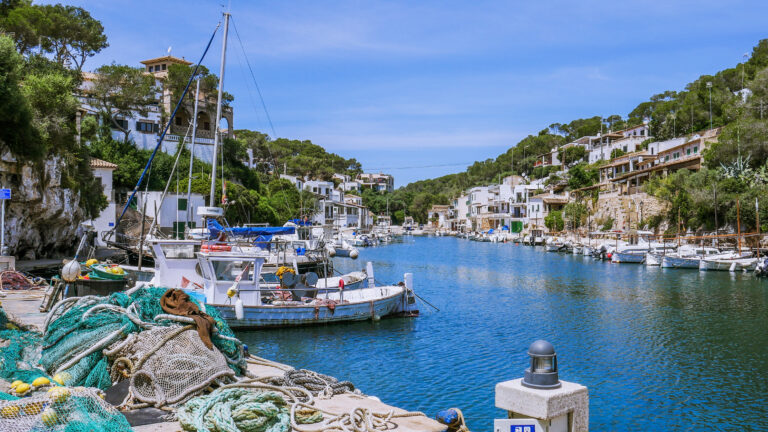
<point>98,163</point>
<point>554,199</point>
<point>169,58</point>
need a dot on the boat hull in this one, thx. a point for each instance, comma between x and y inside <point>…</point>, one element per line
<point>679,262</point>
<point>652,259</point>
<point>624,257</point>
<point>255,317</point>
<point>725,264</point>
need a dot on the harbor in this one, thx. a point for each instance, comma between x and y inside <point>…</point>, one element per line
<point>387,217</point>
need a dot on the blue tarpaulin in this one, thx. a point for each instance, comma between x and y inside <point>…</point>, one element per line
<point>490,231</point>
<point>505,228</point>
<point>301,222</point>
<point>215,228</point>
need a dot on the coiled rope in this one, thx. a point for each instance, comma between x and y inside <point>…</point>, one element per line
<point>318,384</point>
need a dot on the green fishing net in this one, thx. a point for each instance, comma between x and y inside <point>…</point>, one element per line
<point>20,352</point>
<point>74,340</point>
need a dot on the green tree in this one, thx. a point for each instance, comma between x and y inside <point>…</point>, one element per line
<point>68,33</point>
<point>16,129</point>
<point>554,221</point>
<point>122,91</point>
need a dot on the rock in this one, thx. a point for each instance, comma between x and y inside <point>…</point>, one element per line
<point>42,216</point>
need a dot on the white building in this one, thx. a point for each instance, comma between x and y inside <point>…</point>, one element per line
<point>103,170</point>
<point>298,183</point>
<point>378,182</point>
<point>171,214</point>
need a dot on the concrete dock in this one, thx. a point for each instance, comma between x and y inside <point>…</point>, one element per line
<point>22,307</point>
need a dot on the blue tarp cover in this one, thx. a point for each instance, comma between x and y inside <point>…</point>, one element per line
<point>215,229</point>
<point>505,228</point>
<point>490,231</point>
<point>301,222</point>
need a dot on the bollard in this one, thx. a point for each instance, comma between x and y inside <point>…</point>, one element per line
<point>540,402</point>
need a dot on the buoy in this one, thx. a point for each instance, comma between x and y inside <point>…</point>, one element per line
<point>331,251</point>
<point>40,381</point>
<point>49,417</point>
<point>71,271</point>
<point>58,394</point>
<point>16,383</point>
<point>354,253</point>
<point>239,313</point>
<point>10,411</point>
<point>22,388</point>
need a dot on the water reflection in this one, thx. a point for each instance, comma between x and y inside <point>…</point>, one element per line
<point>659,349</point>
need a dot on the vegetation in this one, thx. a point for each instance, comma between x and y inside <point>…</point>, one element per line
<point>554,221</point>
<point>36,111</point>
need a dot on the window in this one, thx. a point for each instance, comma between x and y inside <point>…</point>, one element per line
<point>207,125</point>
<point>146,127</point>
<point>178,121</point>
<point>181,204</point>
<point>651,150</point>
<point>642,132</point>
<point>688,151</point>
<point>666,158</point>
<point>695,149</point>
<point>122,123</point>
<point>624,149</point>
<point>163,66</point>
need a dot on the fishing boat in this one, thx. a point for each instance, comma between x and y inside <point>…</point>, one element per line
<point>688,257</point>
<point>761,268</point>
<point>639,253</point>
<point>731,261</point>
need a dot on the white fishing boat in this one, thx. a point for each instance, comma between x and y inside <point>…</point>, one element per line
<point>731,261</point>
<point>638,253</point>
<point>688,257</point>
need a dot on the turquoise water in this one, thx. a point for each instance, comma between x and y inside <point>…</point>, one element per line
<point>659,349</point>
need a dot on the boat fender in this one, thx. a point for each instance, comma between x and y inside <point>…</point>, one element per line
<point>732,268</point>
<point>239,313</point>
<point>245,350</point>
<point>453,418</point>
<point>341,284</point>
<point>354,253</point>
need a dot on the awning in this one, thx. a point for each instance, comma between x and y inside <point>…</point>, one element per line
<point>215,228</point>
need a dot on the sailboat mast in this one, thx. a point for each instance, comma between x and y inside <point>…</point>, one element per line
<point>192,156</point>
<point>212,200</point>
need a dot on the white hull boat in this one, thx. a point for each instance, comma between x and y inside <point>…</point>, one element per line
<point>734,262</point>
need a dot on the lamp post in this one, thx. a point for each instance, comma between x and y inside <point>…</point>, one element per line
<point>709,86</point>
<point>542,373</point>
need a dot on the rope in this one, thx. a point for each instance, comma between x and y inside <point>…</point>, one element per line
<point>318,384</point>
<point>14,280</point>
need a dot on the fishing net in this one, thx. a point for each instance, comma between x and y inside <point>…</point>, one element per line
<point>167,365</point>
<point>19,352</point>
<point>78,330</point>
<point>61,409</point>
<point>241,409</point>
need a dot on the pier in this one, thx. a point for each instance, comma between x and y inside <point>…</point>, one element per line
<point>22,309</point>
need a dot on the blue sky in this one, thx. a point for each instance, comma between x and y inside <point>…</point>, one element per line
<point>422,89</point>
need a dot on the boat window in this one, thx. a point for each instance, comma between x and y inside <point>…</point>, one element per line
<point>228,270</point>
<point>179,251</point>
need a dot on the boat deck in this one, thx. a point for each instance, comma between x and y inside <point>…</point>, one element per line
<point>22,308</point>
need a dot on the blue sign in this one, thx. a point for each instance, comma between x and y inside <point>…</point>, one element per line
<point>522,428</point>
<point>5,194</point>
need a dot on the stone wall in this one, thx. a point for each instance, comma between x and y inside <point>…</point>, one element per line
<point>42,217</point>
<point>624,209</point>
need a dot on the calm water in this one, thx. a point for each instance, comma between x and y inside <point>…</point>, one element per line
<point>659,349</point>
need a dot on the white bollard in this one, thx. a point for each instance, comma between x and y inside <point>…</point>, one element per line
<point>369,271</point>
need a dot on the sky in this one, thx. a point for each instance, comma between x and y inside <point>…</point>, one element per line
<point>423,89</point>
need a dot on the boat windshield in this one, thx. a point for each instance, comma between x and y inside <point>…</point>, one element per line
<point>228,270</point>
<point>180,251</point>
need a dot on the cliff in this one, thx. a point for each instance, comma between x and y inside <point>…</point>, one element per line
<point>42,217</point>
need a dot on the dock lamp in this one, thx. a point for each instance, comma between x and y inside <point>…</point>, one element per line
<point>542,374</point>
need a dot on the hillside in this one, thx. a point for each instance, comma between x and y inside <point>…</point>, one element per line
<point>670,113</point>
